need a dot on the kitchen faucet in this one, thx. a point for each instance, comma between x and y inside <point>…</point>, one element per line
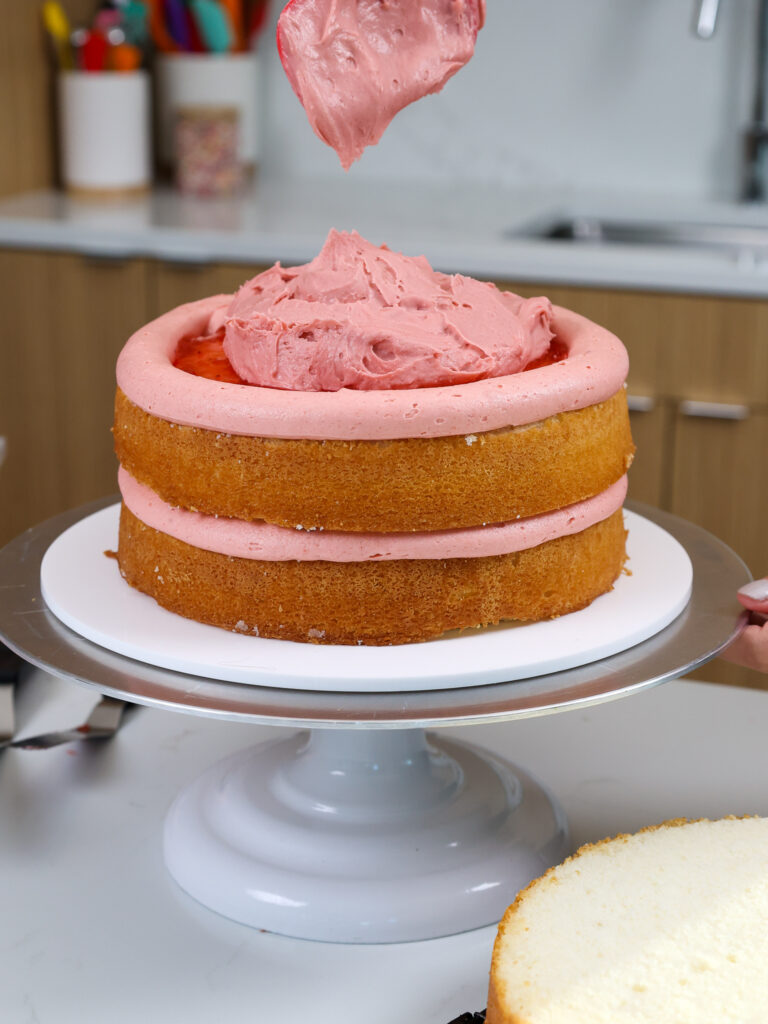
<point>756,150</point>
<point>755,183</point>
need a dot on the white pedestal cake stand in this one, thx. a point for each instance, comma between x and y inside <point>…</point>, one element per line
<point>363,828</point>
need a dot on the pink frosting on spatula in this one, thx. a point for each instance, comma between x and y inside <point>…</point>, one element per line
<point>355,63</point>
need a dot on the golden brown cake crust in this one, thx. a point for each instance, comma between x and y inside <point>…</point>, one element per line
<point>380,486</point>
<point>388,602</point>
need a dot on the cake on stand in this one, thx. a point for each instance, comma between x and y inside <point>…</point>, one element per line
<point>362,827</point>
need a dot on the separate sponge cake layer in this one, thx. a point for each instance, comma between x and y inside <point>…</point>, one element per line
<point>387,602</point>
<point>400,485</point>
<point>667,926</point>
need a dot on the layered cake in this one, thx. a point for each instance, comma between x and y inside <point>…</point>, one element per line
<point>361,450</point>
<point>666,926</point>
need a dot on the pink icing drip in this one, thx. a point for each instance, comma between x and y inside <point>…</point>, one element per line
<point>360,316</point>
<point>277,544</point>
<point>354,65</point>
<point>595,369</point>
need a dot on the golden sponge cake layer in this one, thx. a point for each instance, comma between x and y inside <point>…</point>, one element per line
<point>380,486</point>
<point>666,926</point>
<point>392,602</point>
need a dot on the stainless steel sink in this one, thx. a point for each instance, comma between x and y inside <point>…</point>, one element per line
<point>731,238</point>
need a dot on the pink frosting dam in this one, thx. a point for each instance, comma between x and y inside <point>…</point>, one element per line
<point>359,316</point>
<point>355,63</point>
<point>595,369</point>
<point>267,542</point>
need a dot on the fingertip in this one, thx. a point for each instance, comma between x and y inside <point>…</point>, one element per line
<point>754,595</point>
<point>751,604</point>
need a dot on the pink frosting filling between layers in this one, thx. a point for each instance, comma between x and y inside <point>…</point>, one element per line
<point>595,369</point>
<point>360,316</point>
<point>270,543</point>
<point>355,63</point>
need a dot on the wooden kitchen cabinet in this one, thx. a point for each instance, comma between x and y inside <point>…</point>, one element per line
<point>699,379</point>
<point>650,421</point>
<point>171,284</point>
<point>716,349</point>
<point>33,477</point>
<point>65,319</point>
<point>719,480</point>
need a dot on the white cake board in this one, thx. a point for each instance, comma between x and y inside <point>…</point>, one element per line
<point>105,610</point>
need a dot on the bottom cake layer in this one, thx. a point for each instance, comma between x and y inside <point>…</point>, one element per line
<point>387,602</point>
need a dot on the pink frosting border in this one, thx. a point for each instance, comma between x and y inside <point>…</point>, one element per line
<point>263,541</point>
<point>595,369</point>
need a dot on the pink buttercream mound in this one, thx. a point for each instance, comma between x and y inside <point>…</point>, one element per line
<point>355,63</point>
<point>358,316</point>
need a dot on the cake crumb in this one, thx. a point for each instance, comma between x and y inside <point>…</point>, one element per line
<point>240,627</point>
<point>316,634</point>
<point>470,438</point>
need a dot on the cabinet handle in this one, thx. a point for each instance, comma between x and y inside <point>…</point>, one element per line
<point>640,403</point>
<point>191,262</point>
<point>106,258</point>
<point>714,410</point>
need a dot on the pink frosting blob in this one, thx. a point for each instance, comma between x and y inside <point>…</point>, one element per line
<point>355,63</point>
<point>594,370</point>
<point>264,541</point>
<point>360,316</point>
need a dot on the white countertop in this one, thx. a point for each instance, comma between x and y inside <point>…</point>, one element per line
<point>92,927</point>
<point>460,228</point>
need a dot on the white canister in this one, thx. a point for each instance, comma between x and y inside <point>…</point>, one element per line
<point>209,79</point>
<point>104,131</point>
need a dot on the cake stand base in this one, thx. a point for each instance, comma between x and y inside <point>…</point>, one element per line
<point>363,830</point>
<point>370,836</point>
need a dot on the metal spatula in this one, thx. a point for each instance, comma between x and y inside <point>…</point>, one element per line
<point>101,724</point>
<point>10,664</point>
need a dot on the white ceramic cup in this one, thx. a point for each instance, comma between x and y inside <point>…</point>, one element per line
<point>104,130</point>
<point>209,79</point>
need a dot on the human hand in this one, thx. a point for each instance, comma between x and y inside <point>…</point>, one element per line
<point>750,648</point>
